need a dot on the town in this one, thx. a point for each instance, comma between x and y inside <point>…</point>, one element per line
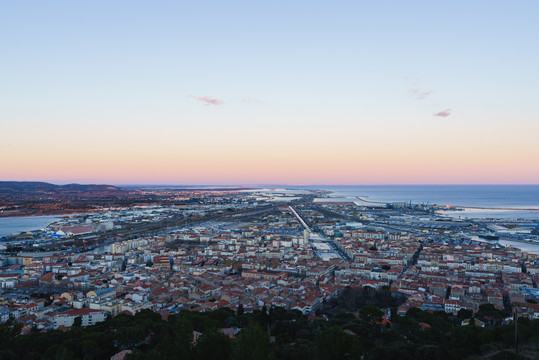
<point>215,249</point>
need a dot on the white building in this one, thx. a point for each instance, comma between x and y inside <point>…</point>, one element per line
<point>88,317</point>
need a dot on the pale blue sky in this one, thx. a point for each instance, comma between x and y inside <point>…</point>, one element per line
<point>119,73</point>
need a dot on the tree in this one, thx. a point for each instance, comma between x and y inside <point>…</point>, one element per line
<point>252,344</point>
<point>465,313</point>
<point>65,354</point>
<point>128,336</point>
<point>77,322</point>
<point>221,315</point>
<point>183,330</point>
<point>262,317</point>
<point>240,310</point>
<point>467,340</point>
<point>213,345</point>
<point>371,313</point>
<point>335,344</point>
<point>9,330</point>
<point>489,313</point>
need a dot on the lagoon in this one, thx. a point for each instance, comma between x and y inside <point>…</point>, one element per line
<point>16,225</point>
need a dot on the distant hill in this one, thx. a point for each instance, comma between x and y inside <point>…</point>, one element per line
<point>37,187</point>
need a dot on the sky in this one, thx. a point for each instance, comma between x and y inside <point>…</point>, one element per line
<point>270,92</point>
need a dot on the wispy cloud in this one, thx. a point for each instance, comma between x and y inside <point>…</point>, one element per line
<point>208,100</point>
<point>420,95</point>
<point>445,113</point>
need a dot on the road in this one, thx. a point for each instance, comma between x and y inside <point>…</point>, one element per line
<point>323,247</point>
<point>79,244</point>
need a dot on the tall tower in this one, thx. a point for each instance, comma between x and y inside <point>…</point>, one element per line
<point>306,235</point>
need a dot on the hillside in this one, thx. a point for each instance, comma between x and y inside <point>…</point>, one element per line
<point>36,188</point>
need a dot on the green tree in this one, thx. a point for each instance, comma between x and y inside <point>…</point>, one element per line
<point>335,344</point>
<point>221,315</point>
<point>467,340</point>
<point>129,336</point>
<point>252,344</point>
<point>9,330</point>
<point>299,350</point>
<point>465,314</point>
<point>183,330</point>
<point>213,345</point>
<point>371,313</point>
<point>77,322</point>
<point>489,313</point>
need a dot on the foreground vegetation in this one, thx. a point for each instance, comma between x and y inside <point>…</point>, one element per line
<point>277,333</point>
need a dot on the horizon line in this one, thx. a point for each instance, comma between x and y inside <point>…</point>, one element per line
<point>60,183</point>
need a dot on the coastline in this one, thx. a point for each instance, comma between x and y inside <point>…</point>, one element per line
<point>14,226</point>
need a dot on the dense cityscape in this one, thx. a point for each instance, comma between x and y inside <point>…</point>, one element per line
<point>269,180</point>
<point>250,250</point>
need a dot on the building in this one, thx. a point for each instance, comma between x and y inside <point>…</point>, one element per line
<point>100,294</point>
<point>76,230</point>
<point>4,314</point>
<point>161,262</point>
<point>88,317</point>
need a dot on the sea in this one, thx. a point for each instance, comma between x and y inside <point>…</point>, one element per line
<point>479,201</point>
<point>16,225</point>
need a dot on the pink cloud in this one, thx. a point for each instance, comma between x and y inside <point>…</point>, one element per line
<point>209,100</point>
<point>420,95</point>
<point>445,113</point>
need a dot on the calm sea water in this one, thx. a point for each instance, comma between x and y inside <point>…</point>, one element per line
<point>530,248</point>
<point>512,196</point>
<point>16,225</point>
<point>487,196</point>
